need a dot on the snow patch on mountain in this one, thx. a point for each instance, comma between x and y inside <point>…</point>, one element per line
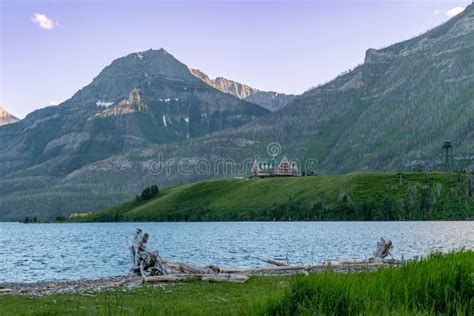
<point>103,103</point>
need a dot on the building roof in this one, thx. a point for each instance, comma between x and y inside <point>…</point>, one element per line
<point>271,162</point>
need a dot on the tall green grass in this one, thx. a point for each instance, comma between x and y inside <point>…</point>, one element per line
<point>439,284</point>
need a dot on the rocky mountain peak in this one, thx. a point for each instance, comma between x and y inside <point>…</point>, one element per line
<point>270,100</point>
<point>201,75</point>
<point>235,88</point>
<point>153,62</point>
<point>6,118</point>
<point>134,70</point>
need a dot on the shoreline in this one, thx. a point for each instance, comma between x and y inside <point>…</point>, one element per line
<point>129,282</point>
<point>470,219</point>
<point>81,286</point>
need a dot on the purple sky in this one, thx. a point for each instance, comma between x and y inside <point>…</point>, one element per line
<point>285,46</point>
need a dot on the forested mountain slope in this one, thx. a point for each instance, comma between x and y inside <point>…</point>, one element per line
<point>392,112</point>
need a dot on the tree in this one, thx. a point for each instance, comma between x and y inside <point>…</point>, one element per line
<point>148,193</point>
<point>154,190</point>
<point>469,186</point>
<point>345,205</point>
<point>388,208</point>
<point>364,212</point>
<point>60,218</point>
<point>317,210</point>
<point>426,202</point>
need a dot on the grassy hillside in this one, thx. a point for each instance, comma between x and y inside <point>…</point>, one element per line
<point>361,196</point>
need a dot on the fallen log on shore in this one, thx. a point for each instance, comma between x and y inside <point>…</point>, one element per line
<point>275,263</point>
<point>153,269</point>
<point>353,266</point>
<point>222,277</point>
<point>5,291</point>
<point>183,267</point>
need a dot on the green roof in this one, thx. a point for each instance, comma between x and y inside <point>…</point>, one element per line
<point>274,161</point>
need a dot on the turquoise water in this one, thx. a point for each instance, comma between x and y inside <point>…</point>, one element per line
<point>47,252</point>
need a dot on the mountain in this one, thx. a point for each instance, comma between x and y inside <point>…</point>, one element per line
<point>6,118</point>
<point>268,99</point>
<point>391,113</point>
<point>139,100</point>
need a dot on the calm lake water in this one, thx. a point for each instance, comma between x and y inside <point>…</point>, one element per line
<point>47,252</point>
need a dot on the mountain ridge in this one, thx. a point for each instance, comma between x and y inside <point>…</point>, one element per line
<point>270,100</point>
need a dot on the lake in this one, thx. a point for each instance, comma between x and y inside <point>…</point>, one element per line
<point>50,252</point>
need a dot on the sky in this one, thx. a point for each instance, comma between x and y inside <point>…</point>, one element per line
<point>49,49</point>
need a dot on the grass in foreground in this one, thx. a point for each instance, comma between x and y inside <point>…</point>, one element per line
<point>441,284</point>
<point>192,298</point>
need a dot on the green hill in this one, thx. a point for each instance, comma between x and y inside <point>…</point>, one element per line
<point>360,196</point>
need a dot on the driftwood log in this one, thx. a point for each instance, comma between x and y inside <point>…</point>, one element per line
<point>153,269</point>
<point>148,263</point>
<point>184,268</point>
<point>275,263</point>
<point>383,249</point>
<point>145,262</point>
<point>221,277</point>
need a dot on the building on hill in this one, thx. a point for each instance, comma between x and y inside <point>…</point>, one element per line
<point>274,167</point>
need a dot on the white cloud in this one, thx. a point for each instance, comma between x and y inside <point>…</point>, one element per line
<point>454,11</point>
<point>53,102</point>
<point>436,12</point>
<point>43,21</point>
